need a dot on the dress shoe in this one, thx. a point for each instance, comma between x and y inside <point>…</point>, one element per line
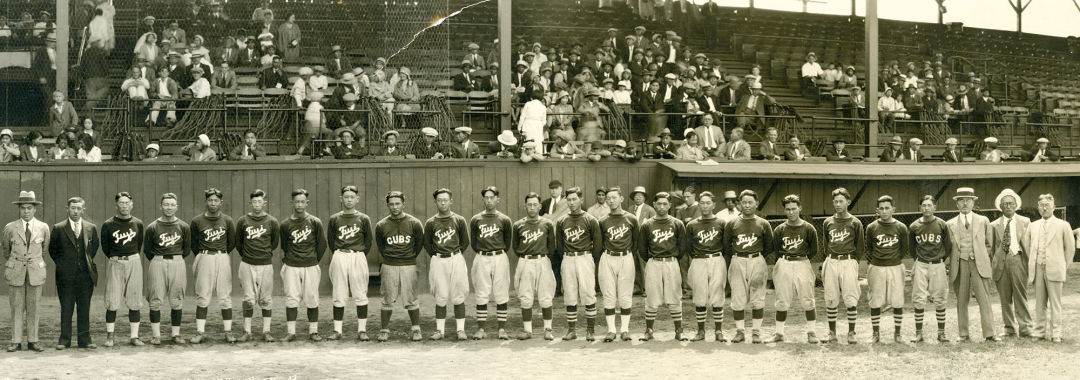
<point>315,337</point>
<point>14,347</point>
<point>34,347</point>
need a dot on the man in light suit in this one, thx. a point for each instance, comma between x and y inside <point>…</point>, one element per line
<point>711,136</point>
<point>23,245</point>
<point>1011,248</point>
<point>969,263</point>
<point>796,152</point>
<point>736,148</point>
<point>73,244</point>
<point>1053,248</point>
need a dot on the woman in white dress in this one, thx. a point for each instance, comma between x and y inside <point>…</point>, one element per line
<point>146,47</point>
<point>533,118</point>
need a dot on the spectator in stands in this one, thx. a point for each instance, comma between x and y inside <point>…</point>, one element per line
<point>249,150</point>
<point>770,148</point>
<point>838,152</point>
<point>913,153</point>
<point>390,148</point>
<point>1038,153</point>
<point>174,32</point>
<point>177,71</point>
<point>950,154</point>
<point>198,150</point>
<point>890,108</point>
<point>224,77</point>
<point>288,38</point>
<point>300,88</point>
<point>795,152</point>
<point>250,56</point>
<point>9,150</point>
<point>62,115</point>
<point>596,152</point>
<point>474,58</point>
<point>274,76</point>
<point>319,81</point>
<point>338,64</point>
<point>728,94</point>
<point>930,102</point>
<point>690,149</point>
<point>913,102</point>
<point>964,102</point>
<point>266,26</point>
<point>200,87</point>
<point>810,72</point>
<point>992,153</point>
<point>856,106</point>
<point>269,52</point>
<point>88,129</point>
<point>406,92</point>
<point>146,47</point>
<point>349,117</point>
<point>381,90</point>
<point>911,78</point>
<point>348,85</point>
<point>200,54</point>
<point>665,149</point>
<point>198,59</point>
<point>892,152</point>
<point>848,79</point>
<point>145,71</point>
<point>753,103</point>
<point>831,75</point>
<point>736,148</point>
<point>589,124</point>
<point>507,146</point>
<point>137,90</point>
<point>164,90</point>
<point>87,151</point>
<point>314,122</point>
<point>348,148</point>
<point>621,96</point>
<point>464,81</point>
<point>32,150</point>
<point>228,52</point>
<point>464,147</point>
<point>711,136</point>
<point>62,150</point>
<point>6,33</point>
<point>533,118</point>
<point>429,147</point>
<point>561,116</point>
<point>260,12</point>
<point>984,107</point>
<point>564,146</point>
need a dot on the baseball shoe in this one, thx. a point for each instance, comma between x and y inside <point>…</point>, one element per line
<point>335,336</point>
<point>678,336</point>
<point>155,341</point>
<point>811,337</point>
<point>755,337</point>
<point>244,338</point>
<point>109,340</point>
<point>229,338</point>
<point>384,335</point>
<point>315,337</point>
<point>995,339</point>
<point>896,338</point>
<point>461,335</point>
<point>720,337</point>
<point>609,337</point>
<point>776,338</point>
<point>90,346</point>
<point>962,339</point>
<point>524,335</point>
<point>197,338</point>
<point>34,347</point>
<point>941,337</point>
<point>438,335</point>
<point>590,336</point>
<point>290,337</point>
<point>176,339</point>
<point>647,337</point>
<point>14,347</point>
<point>479,334</point>
<point>919,338</point>
<point>137,343</point>
<point>570,335</point>
<point>1056,340</point>
<point>624,336</point>
<point>851,337</point>
<point>60,347</point>
<point>548,335</point>
<point>503,335</point>
<point>875,337</point>
<point>269,338</point>
<point>363,336</point>
<point>831,338</point>
<point>740,337</point>
<point>698,336</point>
<point>417,335</point>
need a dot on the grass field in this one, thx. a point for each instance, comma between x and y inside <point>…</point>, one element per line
<point>536,358</point>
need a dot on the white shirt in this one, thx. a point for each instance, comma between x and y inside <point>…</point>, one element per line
<point>200,88</point>
<point>554,202</point>
<point>811,69</point>
<point>94,155</point>
<point>914,155</point>
<point>727,215</point>
<point>76,226</point>
<point>965,220</point>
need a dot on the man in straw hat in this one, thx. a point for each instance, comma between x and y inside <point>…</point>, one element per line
<point>507,147</point>
<point>969,264</point>
<point>1010,263</point>
<point>24,244</point>
<point>1053,250</point>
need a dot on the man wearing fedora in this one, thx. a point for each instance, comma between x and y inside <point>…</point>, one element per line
<point>1009,262</point>
<point>73,244</point>
<point>1053,248</point>
<point>892,152</point>
<point>24,243</point>
<point>969,263</point>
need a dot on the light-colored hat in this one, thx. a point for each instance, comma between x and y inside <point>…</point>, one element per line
<point>990,140</point>
<point>630,37</point>
<point>342,131</point>
<point>521,62</point>
<point>639,28</point>
<point>638,189</point>
<point>153,146</point>
<point>151,18</point>
<point>687,132</point>
<point>700,55</point>
<point>951,140</point>
<point>965,192</point>
<point>204,139</point>
<point>612,30</point>
<point>429,131</point>
<point>466,62</point>
<point>915,141</point>
<point>306,71</point>
<point>463,129</point>
<point>562,94</point>
<point>197,55</point>
<point>473,45</point>
<point>320,69</point>
<point>390,133</point>
<point>348,78</point>
<point>811,54</point>
<point>1042,140</point>
<point>1008,192</point>
<point>335,48</point>
<point>730,194</point>
<point>404,71</point>
<point>896,140</point>
<point>565,135</point>
<point>593,92</point>
<point>529,144</point>
<point>358,71</point>
<point>620,143</point>
<point>7,132</point>
<point>350,97</point>
<point>671,76</point>
<point>507,138</point>
<point>529,53</point>
<point>675,38</point>
<point>27,198</point>
<point>380,59</point>
<point>536,44</point>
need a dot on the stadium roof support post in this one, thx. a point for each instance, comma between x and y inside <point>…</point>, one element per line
<point>63,35</point>
<point>941,12</point>
<point>1019,13</point>
<point>871,73</point>
<point>504,69</point>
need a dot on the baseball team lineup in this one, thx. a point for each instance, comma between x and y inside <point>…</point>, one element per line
<point>711,255</point>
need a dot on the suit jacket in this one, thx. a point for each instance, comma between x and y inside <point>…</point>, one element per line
<point>951,156</point>
<point>1050,155</point>
<point>224,79</point>
<point>650,104</point>
<point>171,85</point>
<point>907,155</point>
<point>717,136</point>
<point>463,82</point>
<point>232,56</point>
<point>477,62</point>
<point>25,258</point>
<point>769,151</point>
<point>646,211</point>
<point>268,78</point>
<point>888,155</point>
<point>728,97</point>
<point>248,58</point>
<point>703,102</point>
<point>1019,228</point>
<point>831,155</point>
<point>24,155</point>
<point>458,151</point>
<point>741,150</point>
<point>982,244</point>
<point>338,68</point>
<point>1060,248</point>
<point>74,257</point>
<point>182,75</point>
<point>561,209</point>
<point>790,153</point>
<point>63,119</point>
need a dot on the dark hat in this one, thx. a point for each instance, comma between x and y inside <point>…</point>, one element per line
<point>554,183</point>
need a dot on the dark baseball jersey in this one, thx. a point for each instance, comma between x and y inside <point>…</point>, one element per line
<point>795,240</point>
<point>846,236</point>
<point>704,236</point>
<point>256,238</point>
<point>931,240</point>
<point>888,242</point>
<point>303,241</point>
<point>399,239</point>
<point>446,235</point>
<point>620,232</point>
<point>351,231</point>
<point>534,237</point>
<point>748,235</point>
<point>688,213</point>
<point>579,233</point>
<point>122,237</point>
<point>490,232</point>
<point>660,237</point>
<point>166,238</point>
<point>212,233</point>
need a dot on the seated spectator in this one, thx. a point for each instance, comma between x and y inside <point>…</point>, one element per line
<point>665,149</point>
<point>622,152</point>
<point>561,116</point>
<point>690,149</point>
<point>736,148</point>
<point>200,87</point>
<point>564,146</point>
<point>950,154</point>
<point>831,75</point>
<point>710,136</point>
<point>770,148</point>
<point>348,148</point>
<point>88,129</point>
<point>607,92</point>
<point>464,81</point>
<point>164,90</point>
<point>269,52</point>
<point>273,76</point>
<point>890,108</point>
<point>596,151</point>
<point>847,80</point>
<point>947,106</point>
<point>249,150</point>
<point>300,87</point>
<point>1038,153</point>
<point>228,52</point>
<point>174,32</point>
<point>9,150</point>
<point>838,152</point>
<point>913,151</point>
<point>198,150</point>
<point>146,47</point>
<point>507,146</point>
<point>429,148</point>
<point>135,86</point>
<point>390,148</point>
<point>463,146</point>
<point>856,106</point>
<point>87,151</point>
<point>249,54</point>
<point>406,93</point>
<point>200,55</point>
<point>992,153</point>
<point>892,152</point>
<point>963,103</point>
<point>530,151</point>
<point>338,64</point>
<point>350,117</point>
<point>589,124</point>
<point>319,81</point>
<point>930,102</point>
<point>381,90</point>
<point>152,151</point>
<point>224,78</point>
<point>810,71</point>
<point>62,115</point>
<point>62,150</point>
<point>796,152</point>
<point>33,151</point>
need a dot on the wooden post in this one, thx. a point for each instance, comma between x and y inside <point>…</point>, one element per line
<point>506,95</point>
<point>63,38</point>
<point>1019,14</point>
<point>872,72</point>
<point>940,12</point>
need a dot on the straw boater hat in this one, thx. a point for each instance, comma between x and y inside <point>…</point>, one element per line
<point>429,131</point>
<point>638,189</point>
<point>465,130</point>
<point>390,133</point>
<point>1008,192</point>
<point>730,194</point>
<point>507,138</point>
<point>896,140</point>
<point>350,97</point>
<point>26,198</point>
<point>965,192</point>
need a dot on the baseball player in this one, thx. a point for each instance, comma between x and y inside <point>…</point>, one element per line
<point>749,237</point>
<point>840,271</point>
<point>491,235</point>
<point>302,244</point>
<point>578,236</point>
<point>534,240</point>
<point>121,241</point>
<point>400,237</point>
<point>256,238</point>
<point>660,238</point>
<point>348,233</point>
<point>708,270</point>
<point>167,242</point>
<point>212,240</point>
<point>888,240</point>
<point>616,267</point>
<point>446,236</point>
<point>796,241</point>
<point>929,279</point>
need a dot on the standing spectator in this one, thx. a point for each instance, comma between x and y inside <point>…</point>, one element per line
<point>599,210</point>
<point>736,148</point>
<point>88,152</point>
<point>474,58</point>
<point>589,126</point>
<point>1054,248</point>
<point>533,118</point>
<point>174,32</point>
<point>9,150</point>
<point>795,151</point>
<point>260,13</point>
<point>224,77</point>
<point>288,38</point>
<point>249,150</point>
<point>164,90</point>
<point>32,151</point>
<point>300,88</point>
<point>273,77</point>
<point>198,150</point>
<point>62,115</point>
<point>652,103</point>
<point>314,123</point>
<point>319,81</point>
<point>44,64</point>
<point>753,103</point>
<point>100,31</point>
<point>24,243</point>
<point>338,64</point>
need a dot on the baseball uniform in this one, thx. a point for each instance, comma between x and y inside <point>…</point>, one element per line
<point>748,239</point>
<point>793,277</point>
<point>256,238</point>
<point>165,244</point>
<point>929,279</point>
<point>660,238</point>
<point>491,235</point>
<point>533,241</point>
<point>708,270</point>
<point>445,239</point>
<point>303,244</point>
<point>121,241</point>
<point>840,271</point>
<point>579,237</point>
<point>348,235</point>
<point>212,241</point>
<point>399,240</point>
<point>616,268</point>
<point>888,242</point>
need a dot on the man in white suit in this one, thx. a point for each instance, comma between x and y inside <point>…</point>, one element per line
<point>1053,248</point>
<point>969,263</point>
<point>1010,259</point>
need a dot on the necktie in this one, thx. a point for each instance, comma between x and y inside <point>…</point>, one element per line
<point>731,152</point>
<point>1043,234</point>
<point>967,222</point>
<point>1008,237</point>
<point>77,228</point>
<point>27,233</point>
<point>708,137</point>
<point>751,102</point>
<point>551,207</point>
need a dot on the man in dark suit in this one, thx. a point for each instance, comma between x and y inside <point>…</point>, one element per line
<point>1040,152</point>
<point>72,246</point>
<point>464,80</point>
<point>892,152</point>
<point>652,102</point>
<point>913,151</point>
<point>950,154</point>
<point>557,197</point>
<point>177,71</point>
<point>228,52</point>
<point>338,64</point>
<point>249,56</point>
<point>273,76</point>
<point>838,152</point>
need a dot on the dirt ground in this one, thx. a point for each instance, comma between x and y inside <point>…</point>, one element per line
<point>1014,358</point>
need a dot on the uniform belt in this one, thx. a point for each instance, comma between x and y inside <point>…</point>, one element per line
<point>1018,253</point>
<point>925,261</point>
<point>126,257</point>
<point>709,256</point>
<point>795,258</point>
<point>532,257</point>
<point>748,255</point>
<point>209,252</point>
<point>491,253</point>
<point>615,253</point>
<point>845,256</point>
<point>448,255</point>
<point>663,258</point>
<point>580,253</point>
<point>349,251</point>
<point>168,257</point>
